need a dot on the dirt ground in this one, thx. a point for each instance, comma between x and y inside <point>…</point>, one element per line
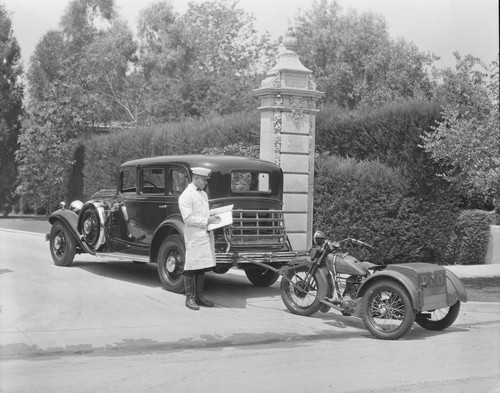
<point>479,289</point>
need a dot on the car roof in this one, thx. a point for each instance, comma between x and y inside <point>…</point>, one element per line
<point>214,163</point>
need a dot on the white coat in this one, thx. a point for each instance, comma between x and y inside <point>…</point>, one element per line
<point>200,251</point>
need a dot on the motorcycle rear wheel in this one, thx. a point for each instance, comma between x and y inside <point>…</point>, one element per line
<point>386,310</point>
<point>302,292</point>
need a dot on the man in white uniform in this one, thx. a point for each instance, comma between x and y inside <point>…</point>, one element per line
<point>200,251</point>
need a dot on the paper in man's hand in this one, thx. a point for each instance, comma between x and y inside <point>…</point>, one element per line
<point>225,213</point>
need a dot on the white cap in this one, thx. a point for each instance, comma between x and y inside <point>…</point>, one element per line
<point>201,171</point>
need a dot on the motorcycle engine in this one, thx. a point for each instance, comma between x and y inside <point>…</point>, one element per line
<point>352,285</point>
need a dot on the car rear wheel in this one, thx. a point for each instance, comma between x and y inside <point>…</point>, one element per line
<point>261,277</point>
<point>62,245</point>
<point>170,261</point>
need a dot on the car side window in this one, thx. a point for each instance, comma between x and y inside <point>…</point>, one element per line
<point>179,180</point>
<point>128,180</point>
<point>153,181</point>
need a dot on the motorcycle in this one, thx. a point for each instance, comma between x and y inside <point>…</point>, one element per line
<point>388,298</point>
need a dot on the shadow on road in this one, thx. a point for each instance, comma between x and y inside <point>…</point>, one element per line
<point>232,289</point>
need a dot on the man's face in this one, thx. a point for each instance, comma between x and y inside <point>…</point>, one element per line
<point>200,181</point>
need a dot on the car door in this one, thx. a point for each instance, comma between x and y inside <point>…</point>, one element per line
<point>159,194</point>
<point>124,228</point>
<point>151,200</point>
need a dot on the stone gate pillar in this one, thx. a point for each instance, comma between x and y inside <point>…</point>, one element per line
<point>288,98</point>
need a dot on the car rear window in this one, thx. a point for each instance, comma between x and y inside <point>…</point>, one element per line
<point>249,181</point>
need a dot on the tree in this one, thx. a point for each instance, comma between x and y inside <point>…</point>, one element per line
<point>205,61</point>
<point>11,97</point>
<point>353,59</point>
<point>46,150</point>
<point>64,101</point>
<point>64,61</point>
<point>466,143</point>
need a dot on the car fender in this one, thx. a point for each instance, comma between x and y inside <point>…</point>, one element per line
<point>415,296</point>
<point>169,226</point>
<point>70,220</point>
<point>454,288</point>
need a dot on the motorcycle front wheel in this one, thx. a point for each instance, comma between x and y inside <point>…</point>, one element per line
<point>301,292</point>
<point>387,310</point>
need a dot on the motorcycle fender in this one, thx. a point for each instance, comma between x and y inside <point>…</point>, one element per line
<point>455,290</point>
<point>70,219</point>
<point>416,298</point>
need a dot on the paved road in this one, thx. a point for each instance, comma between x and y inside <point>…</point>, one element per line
<point>105,325</point>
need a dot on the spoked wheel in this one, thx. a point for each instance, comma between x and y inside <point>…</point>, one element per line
<point>387,310</point>
<point>170,263</point>
<point>62,245</point>
<point>301,292</point>
<point>91,225</point>
<point>439,319</point>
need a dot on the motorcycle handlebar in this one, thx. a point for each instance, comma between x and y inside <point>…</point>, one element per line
<point>333,244</point>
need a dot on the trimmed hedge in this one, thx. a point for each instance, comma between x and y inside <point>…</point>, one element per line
<point>469,243</point>
<point>390,134</point>
<point>105,154</point>
<point>370,201</point>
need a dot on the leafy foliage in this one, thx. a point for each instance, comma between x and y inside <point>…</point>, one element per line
<point>11,96</point>
<point>353,59</point>
<point>370,201</point>
<point>206,61</point>
<point>466,143</point>
<point>470,236</point>
<point>389,133</point>
<point>46,150</point>
<point>235,134</point>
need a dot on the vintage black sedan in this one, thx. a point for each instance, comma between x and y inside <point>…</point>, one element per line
<point>140,219</point>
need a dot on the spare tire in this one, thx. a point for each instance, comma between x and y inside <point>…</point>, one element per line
<point>91,224</point>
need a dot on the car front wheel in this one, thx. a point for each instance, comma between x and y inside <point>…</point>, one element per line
<point>62,245</point>
<point>170,263</point>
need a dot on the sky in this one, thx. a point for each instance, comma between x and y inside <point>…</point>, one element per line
<point>440,27</point>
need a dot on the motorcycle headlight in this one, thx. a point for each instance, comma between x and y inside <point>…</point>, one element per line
<point>76,206</point>
<point>319,238</point>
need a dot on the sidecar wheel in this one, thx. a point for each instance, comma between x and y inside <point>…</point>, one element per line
<point>303,297</point>
<point>387,310</point>
<point>439,319</point>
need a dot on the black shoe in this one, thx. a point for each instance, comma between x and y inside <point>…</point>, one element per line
<point>191,304</point>
<point>198,291</point>
<point>201,301</point>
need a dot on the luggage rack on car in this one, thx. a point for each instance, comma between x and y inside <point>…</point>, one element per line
<point>250,228</point>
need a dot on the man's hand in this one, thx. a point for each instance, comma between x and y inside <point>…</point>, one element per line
<point>213,219</point>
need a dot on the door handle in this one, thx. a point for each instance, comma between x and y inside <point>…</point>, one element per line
<point>162,206</point>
